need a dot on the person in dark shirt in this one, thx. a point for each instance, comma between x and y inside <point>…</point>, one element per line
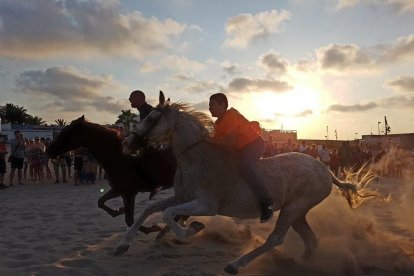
<point>137,99</point>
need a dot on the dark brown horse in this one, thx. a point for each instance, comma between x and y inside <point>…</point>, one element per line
<point>127,175</point>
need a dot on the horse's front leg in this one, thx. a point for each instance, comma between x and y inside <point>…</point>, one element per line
<point>109,195</point>
<point>123,245</point>
<point>192,208</point>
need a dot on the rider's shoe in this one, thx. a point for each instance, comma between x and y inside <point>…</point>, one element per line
<point>266,213</point>
<point>155,192</point>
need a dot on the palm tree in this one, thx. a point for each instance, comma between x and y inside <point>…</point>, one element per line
<point>13,113</point>
<point>126,118</point>
<point>61,122</point>
<point>34,120</point>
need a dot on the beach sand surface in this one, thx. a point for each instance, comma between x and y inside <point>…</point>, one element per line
<point>58,229</point>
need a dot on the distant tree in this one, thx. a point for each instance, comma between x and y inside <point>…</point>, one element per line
<point>14,114</point>
<point>61,122</point>
<point>34,120</point>
<point>126,118</point>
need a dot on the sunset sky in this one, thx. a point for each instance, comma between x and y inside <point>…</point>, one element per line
<point>300,65</point>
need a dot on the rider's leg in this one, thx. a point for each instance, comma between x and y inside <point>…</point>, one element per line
<point>250,154</point>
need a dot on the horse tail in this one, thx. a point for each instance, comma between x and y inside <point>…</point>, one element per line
<point>355,191</point>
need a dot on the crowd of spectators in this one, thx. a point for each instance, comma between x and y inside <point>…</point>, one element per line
<point>28,157</point>
<point>388,160</point>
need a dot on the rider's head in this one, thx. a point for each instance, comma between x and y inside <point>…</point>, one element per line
<point>218,104</point>
<point>137,98</point>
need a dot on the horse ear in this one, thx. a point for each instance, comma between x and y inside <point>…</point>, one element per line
<point>161,98</point>
<point>168,101</point>
<point>82,118</point>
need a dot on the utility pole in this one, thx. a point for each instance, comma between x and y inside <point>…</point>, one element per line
<point>379,132</point>
<point>336,135</point>
<point>327,133</point>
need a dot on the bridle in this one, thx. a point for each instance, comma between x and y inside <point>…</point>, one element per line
<point>166,139</point>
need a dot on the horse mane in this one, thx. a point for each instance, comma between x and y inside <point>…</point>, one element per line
<point>112,133</point>
<point>195,114</point>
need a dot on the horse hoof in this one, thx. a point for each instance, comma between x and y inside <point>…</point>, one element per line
<point>231,269</point>
<point>121,249</point>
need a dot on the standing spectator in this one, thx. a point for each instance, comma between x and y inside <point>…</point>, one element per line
<point>77,165</point>
<point>17,156</point>
<point>313,151</point>
<point>324,155</point>
<point>303,147</point>
<point>89,167</point>
<point>59,162</point>
<point>334,163</point>
<point>46,158</point>
<point>28,156</point>
<point>3,152</point>
<point>344,153</point>
<point>37,159</point>
<point>270,147</point>
<point>68,160</point>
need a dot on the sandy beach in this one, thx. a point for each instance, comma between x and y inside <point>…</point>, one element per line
<point>57,229</point>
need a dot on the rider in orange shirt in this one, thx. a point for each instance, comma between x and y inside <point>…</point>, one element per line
<point>234,130</point>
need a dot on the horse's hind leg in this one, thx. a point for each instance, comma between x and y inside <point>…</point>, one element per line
<point>286,217</point>
<point>302,227</point>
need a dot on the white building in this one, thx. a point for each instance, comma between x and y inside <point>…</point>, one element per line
<point>30,132</point>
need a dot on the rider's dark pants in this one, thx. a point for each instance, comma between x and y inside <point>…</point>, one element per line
<point>250,154</point>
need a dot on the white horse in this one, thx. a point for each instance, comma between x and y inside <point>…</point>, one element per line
<point>207,183</point>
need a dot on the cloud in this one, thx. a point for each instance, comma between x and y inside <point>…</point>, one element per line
<point>69,89</point>
<point>173,63</point>
<point>304,113</point>
<point>403,101</point>
<point>198,86</point>
<point>246,28</point>
<point>352,108</point>
<point>247,85</point>
<point>401,49</point>
<point>230,68</point>
<point>397,102</point>
<point>397,5</point>
<point>351,58</point>
<point>343,57</point>
<point>274,63</point>
<point>401,83</point>
<point>201,105</point>
<point>44,28</point>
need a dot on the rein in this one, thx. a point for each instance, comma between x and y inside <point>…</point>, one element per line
<point>166,139</point>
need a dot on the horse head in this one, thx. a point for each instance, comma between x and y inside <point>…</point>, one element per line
<point>155,128</point>
<point>68,139</point>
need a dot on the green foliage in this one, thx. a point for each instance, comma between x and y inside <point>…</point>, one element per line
<point>14,114</point>
<point>11,113</point>
<point>61,122</point>
<point>126,118</point>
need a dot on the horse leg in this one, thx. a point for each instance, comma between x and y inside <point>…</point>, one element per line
<point>158,206</point>
<point>192,208</point>
<point>109,195</point>
<point>302,227</point>
<point>178,219</point>
<point>286,217</point>
<point>129,203</point>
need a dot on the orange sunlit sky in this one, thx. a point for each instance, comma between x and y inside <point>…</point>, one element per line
<point>306,65</point>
